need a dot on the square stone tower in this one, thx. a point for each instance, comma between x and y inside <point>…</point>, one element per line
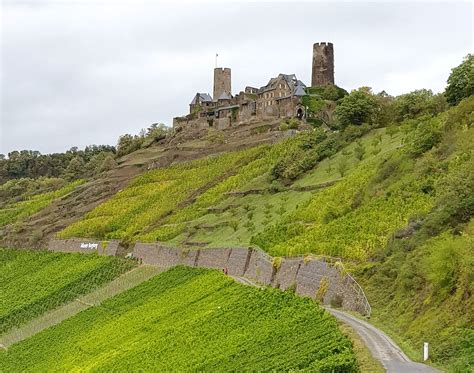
<point>221,82</point>
<point>323,64</point>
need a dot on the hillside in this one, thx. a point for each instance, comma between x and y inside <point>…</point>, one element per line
<point>34,282</point>
<point>153,326</point>
<point>378,198</point>
<point>34,227</point>
<point>387,188</point>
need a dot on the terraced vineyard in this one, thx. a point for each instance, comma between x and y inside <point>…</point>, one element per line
<point>33,282</point>
<point>27,207</point>
<point>188,320</point>
<point>320,212</point>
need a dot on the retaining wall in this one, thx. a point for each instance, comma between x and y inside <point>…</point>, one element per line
<point>310,277</point>
<point>84,246</point>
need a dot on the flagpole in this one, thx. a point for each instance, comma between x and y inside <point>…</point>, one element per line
<point>216,60</point>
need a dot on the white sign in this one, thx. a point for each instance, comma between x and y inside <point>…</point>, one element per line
<point>89,245</point>
<point>425,351</point>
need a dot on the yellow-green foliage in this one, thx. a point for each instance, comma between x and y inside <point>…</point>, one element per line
<point>187,320</point>
<point>322,289</point>
<point>20,210</point>
<point>138,208</point>
<point>331,223</point>
<point>276,262</point>
<point>34,282</point>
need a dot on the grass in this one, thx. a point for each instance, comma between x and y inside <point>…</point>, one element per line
<point>33,282</point>
<point>188,320</point>
<point>327,169</point>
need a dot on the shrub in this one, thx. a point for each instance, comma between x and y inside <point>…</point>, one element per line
<point>357,108</point>
<point>427,134</point>
<point>342,167</point>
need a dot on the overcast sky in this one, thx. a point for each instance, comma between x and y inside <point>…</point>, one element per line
<point>79,73</point>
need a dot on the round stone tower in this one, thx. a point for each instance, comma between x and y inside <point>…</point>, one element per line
<point>221,82</point>
<point>323,64</point>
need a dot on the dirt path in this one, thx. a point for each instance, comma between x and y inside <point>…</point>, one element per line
<point>122,283</point>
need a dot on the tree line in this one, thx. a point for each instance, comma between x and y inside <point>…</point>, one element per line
<point>74,163</point>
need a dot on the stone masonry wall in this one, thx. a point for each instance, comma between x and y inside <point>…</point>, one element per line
<point>308,277</point>
<point>323,64</point>
<point>84,245</point>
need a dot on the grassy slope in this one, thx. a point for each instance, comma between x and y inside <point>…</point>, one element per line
<point>22,209</point>
<point>188,320</point>
<point>148,209</point>
<point>33,282</point>
<point>400,183</point>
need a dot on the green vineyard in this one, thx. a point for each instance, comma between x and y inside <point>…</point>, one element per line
<point>27,207</point>
<point>33,282</point>
<point>190,320</point>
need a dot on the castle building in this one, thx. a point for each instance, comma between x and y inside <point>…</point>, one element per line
<point>323,64</point>
<point>280,98</point>
<point>222,82</point>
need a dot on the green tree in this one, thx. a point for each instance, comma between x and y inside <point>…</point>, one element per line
<point>128,143</point>
<point>108,163</point>
<point>416,103</point>
<point>358,107</point>
<point>461,81</point>
<point>342,167</point>
<point>75,169</point>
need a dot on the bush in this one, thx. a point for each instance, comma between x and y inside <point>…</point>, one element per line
<point>427,134</point>
<point>357,108</point>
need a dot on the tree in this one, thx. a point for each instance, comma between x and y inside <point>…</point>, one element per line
<point>75,169</point>
<point>419,102</point>
<point>108,163</point>
<point>461,81</point>
<point>358,107</point>
<point>157,130</point>
<point>342,167</point>
<point>128,143</point>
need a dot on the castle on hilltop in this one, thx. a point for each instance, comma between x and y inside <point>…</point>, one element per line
<point>280,98</point>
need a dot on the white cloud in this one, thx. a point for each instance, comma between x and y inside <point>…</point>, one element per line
<point>76,73</point>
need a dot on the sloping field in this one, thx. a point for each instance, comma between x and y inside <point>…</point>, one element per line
<point>33,282</point>
<point>187,320</point>
<point>29,206</point>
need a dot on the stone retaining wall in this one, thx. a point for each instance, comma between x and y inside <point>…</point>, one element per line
<point>84,246</point>
<point>314,278</point>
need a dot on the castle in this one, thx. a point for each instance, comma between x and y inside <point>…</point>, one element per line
<point>280,98</point>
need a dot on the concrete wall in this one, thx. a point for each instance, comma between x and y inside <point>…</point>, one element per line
<point>305,276</point>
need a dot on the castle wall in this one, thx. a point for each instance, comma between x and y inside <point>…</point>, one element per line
<point>197,123</point>
<point>222,81</point>
<point>222,123</point>
<point>323,64</point>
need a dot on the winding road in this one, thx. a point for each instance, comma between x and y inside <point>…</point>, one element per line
<point>382,347</point>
